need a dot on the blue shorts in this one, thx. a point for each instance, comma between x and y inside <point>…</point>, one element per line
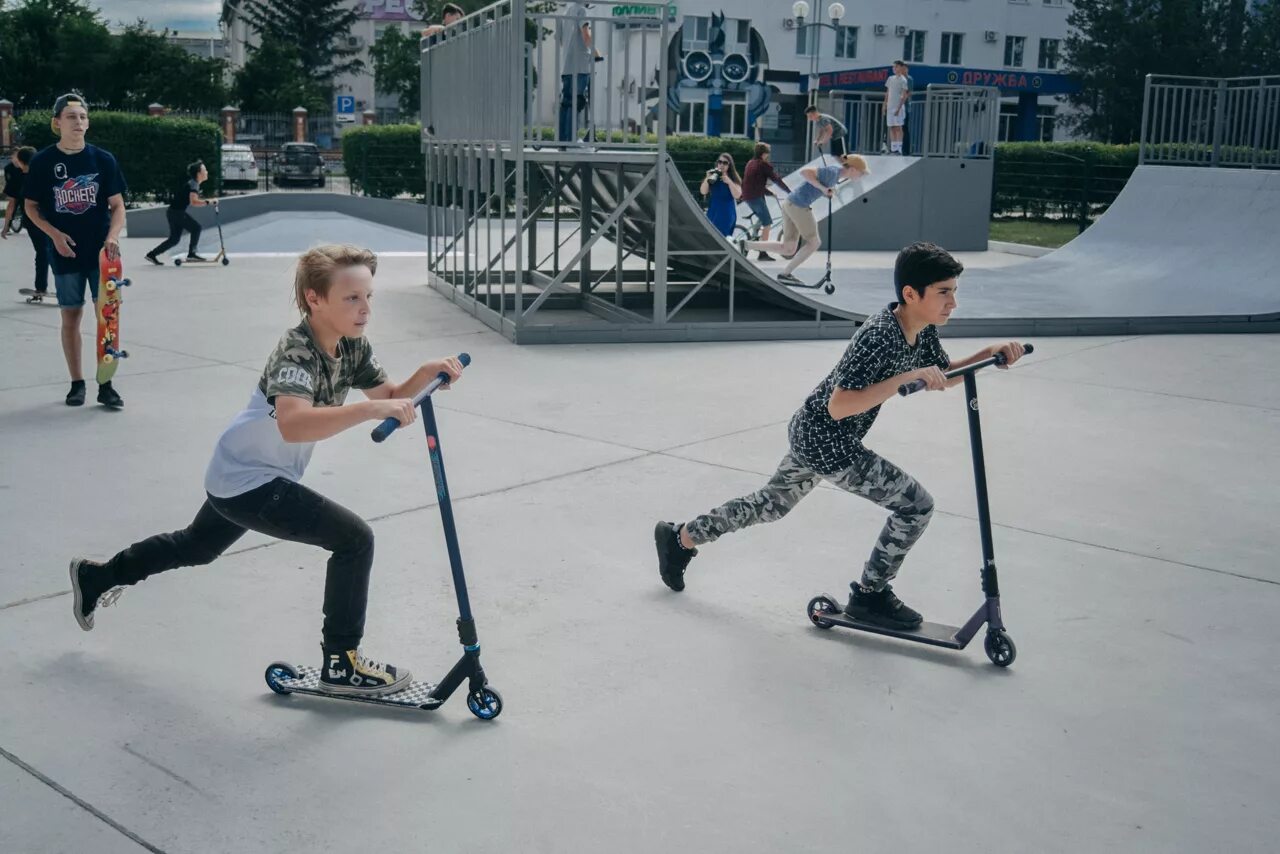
<point>761,210</point>
<point>70,286</point>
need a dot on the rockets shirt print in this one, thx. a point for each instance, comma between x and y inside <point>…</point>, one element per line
<point>72,191</point>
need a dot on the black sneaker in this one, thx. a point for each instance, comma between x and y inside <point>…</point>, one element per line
<point>881,608</point>
<point>75,397</point>
<point>88,592</point>
<point>153,259</point>
<point>107,396</point>
<point>346,671</point>
<point>765,256</point>
<point>191,256</point>
<point>672,556</point>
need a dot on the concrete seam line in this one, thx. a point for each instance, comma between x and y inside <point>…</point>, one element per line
<point>85,805</point>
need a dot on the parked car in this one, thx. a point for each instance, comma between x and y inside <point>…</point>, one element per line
<point>299,163</point>
<point>238,165</point>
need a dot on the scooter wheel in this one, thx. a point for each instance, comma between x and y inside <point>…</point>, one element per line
<point>831,289</point>
<point>1000,648</point>
<point>177,262</point>
<point>275,672</point>
<point>225,261</point>
<point>820,605</point>
<point>486,704</point>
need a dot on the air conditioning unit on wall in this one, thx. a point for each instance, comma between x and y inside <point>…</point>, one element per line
<point>900,30</point>
<point>990,35</point>
<point>788,23</point>
<point>881,29</point>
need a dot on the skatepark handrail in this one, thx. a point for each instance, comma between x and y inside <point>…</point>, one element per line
<point>960,121</point>
<point>1210,121</point>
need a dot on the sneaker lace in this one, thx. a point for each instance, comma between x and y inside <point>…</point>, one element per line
<point>368,663</point>
<point>106,600</point>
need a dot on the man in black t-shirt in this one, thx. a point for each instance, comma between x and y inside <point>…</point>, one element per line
<point>75,194</point>
<point>15,177</point>
<point>895,346</point>
<point>188,195</point>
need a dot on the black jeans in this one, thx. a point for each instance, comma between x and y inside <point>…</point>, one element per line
<point>179,220</point>
<point>281,509</point>
<point>40,243</point>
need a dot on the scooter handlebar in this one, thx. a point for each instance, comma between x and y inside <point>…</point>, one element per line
<point>391,425</point>
<point>998,359</point>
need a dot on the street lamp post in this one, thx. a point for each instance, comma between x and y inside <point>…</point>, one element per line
<point>801,11</point>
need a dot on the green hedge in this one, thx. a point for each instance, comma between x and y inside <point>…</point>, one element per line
<point>153,152</point>
<point>385,161</point>
<point>1046,179</point>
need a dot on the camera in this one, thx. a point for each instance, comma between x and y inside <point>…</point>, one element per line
<point>713,175</point>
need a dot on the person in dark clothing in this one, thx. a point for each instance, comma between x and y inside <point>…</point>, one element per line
<point>755,186</point>
<point>15,175</point>
<point>179,219</point>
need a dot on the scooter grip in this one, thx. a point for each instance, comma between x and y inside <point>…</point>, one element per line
<point>911,387</point>
<point>390,425</point>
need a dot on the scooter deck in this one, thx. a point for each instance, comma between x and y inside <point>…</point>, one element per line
<point>307,681</point>
<point>934,634</point>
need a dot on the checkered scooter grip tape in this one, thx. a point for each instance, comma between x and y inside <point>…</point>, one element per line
<point>417,695</point>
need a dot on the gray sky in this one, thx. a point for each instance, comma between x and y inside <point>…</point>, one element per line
<point>196,16</point>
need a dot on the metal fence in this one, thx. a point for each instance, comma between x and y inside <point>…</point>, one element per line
<point>960,121</point>
<point>509,59</point>
<point>1204,121</point>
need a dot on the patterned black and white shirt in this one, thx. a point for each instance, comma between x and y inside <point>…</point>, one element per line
<point>877,351</point>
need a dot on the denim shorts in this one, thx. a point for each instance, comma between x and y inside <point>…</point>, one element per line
<point>70,286</point>
<point>761,210</point>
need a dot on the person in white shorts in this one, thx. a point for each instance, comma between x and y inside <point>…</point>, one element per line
<point>797,212</point>
<point>896,92</point>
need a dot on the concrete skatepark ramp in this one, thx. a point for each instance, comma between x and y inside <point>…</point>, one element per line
<point>945,200</point>
<point>1182,249</point>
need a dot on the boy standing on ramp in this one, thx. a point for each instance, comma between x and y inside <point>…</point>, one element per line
<point>898,345</point>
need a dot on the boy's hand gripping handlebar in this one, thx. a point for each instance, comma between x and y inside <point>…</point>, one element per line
<point>918,385</point>
<point>390,425</point>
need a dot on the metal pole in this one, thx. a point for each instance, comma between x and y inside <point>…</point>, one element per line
<point>660,223</point>
<point>1218,115</point>
<point>516,135</point>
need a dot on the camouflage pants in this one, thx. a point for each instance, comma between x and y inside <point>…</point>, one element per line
<point>873,478</point>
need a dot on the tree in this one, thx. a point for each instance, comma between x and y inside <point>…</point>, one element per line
<point>47,48</point>
<point>396,68</point>
<point>316,31</point>
<point>274,81</point>
<point>146,68</point>
<point>1262,37</point>
<point>1114,44</point>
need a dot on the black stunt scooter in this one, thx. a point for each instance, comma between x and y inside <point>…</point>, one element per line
<point>825,282</point>
<point>825,612</point>
<point>178,260</point>
<point>484,702</point>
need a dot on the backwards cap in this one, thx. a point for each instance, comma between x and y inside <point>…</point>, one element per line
<point>67,100</point>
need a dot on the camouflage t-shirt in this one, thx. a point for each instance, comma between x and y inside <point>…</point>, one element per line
<point>877,351</point>
<point>251,451</point>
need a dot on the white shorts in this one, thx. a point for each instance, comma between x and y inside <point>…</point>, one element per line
<point>896,121</point>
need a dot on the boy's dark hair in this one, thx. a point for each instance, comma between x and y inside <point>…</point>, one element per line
<point>810,109</point>
<point>24,154</point>
<point>921,265</point>
<point>762,148</point>
<point>452,9</point>
<point>900,62</point>
<point>193,169</point>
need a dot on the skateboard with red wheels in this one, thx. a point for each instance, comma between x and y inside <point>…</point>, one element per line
<point>111,284</point>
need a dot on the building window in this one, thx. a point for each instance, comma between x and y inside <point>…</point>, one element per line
<point>733,119</point>
<point>847,43</point>
<point>744,32</point>
<point>805,39</point>
<point>1048,54</point>
<point>1013,48</point>
<point>1053,2</point>
<point>697,29</point>
<point>913,46</point>
<point>1046,116</point>
<point>951,45</point>
<point>692,118</point>
<point>1008,122</point>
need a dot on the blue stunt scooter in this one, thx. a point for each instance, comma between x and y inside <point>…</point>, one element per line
<point>484,702</point>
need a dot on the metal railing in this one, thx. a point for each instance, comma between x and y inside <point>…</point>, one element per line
<point>1208,121</point>
<point>509,59</point>
<point>960,121</point>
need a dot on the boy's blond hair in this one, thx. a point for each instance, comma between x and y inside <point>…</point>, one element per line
<point>316,267</point>
<point>855,160</point>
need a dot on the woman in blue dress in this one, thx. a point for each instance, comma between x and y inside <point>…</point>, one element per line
<point>724,187</point>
